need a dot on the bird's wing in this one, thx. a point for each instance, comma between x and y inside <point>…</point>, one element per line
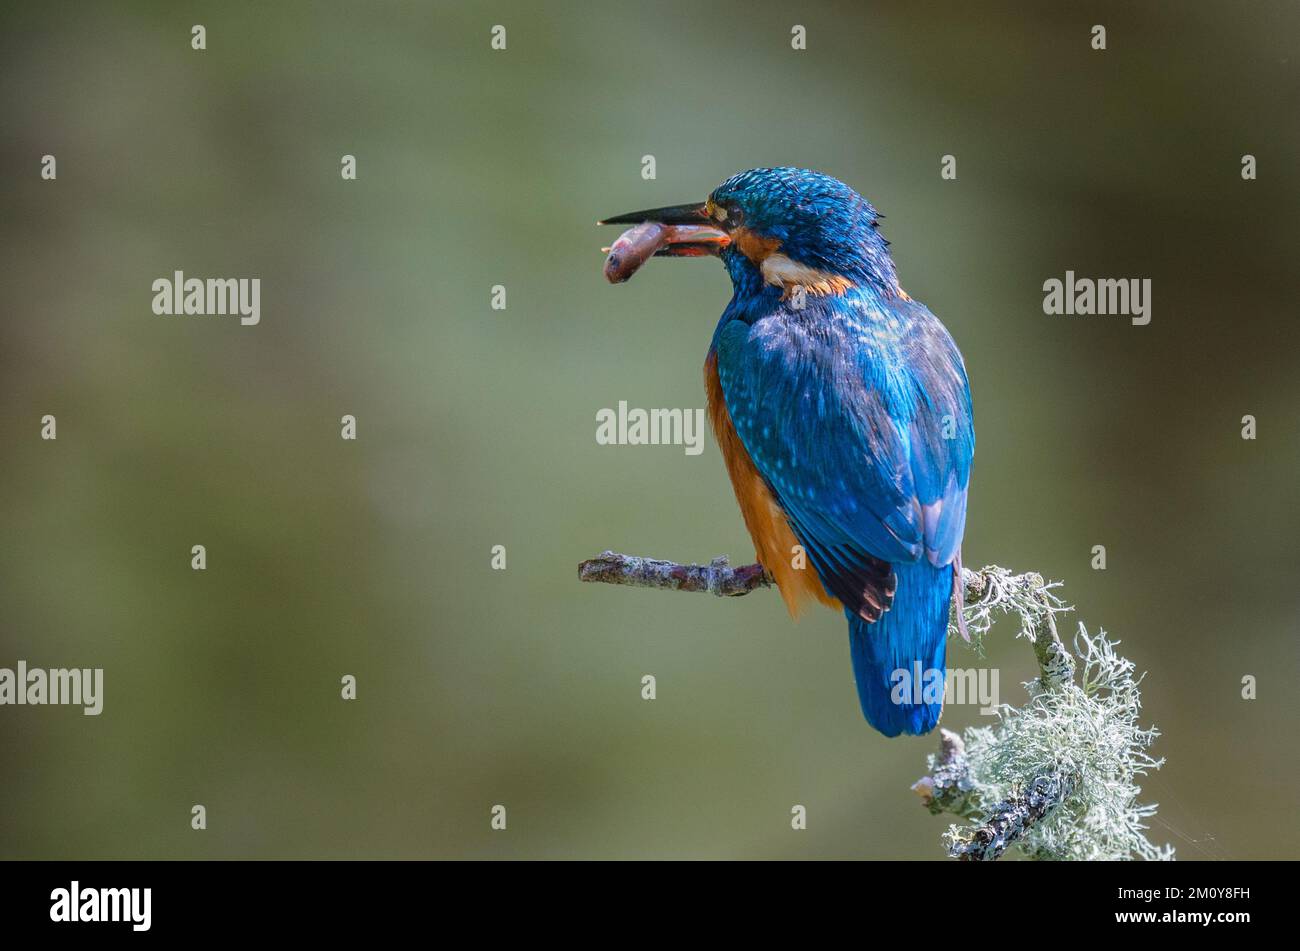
<point>844,418</point>
<point>941,433</point>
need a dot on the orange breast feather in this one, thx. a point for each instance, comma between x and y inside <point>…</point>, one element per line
<point>774,542</point>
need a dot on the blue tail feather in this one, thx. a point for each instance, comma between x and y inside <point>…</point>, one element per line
<point>912,637</point>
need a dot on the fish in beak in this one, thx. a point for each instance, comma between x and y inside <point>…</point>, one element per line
<point>678,231</point>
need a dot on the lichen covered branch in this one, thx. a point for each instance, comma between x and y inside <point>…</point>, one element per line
<point>948,787</point>
<point>996,590</point>
<point>1009,820</point>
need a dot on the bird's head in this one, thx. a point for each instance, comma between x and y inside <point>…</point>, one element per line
<point>780,226</point>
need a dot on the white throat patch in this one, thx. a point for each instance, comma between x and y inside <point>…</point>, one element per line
<point>781,271</point>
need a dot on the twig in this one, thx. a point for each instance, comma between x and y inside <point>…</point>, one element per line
<point>1010,819</point>
<point>717,577</point>
<point>948,788</point>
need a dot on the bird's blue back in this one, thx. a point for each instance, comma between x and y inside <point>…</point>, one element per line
<point>855,410</point>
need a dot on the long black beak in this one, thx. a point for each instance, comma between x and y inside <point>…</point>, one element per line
<point>672,215</point>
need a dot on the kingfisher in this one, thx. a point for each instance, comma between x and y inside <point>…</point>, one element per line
<point>842,410</point>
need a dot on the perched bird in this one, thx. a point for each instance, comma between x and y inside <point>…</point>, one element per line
<point>843,412</point>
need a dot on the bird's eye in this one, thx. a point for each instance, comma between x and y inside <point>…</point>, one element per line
<point>735,217</point>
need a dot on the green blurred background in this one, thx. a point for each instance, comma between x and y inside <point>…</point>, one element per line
<point>476,427</point>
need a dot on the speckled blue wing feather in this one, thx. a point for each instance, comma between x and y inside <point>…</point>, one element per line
<point>857,415</point>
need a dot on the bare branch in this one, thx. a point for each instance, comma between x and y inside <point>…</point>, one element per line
<point>717,577</point>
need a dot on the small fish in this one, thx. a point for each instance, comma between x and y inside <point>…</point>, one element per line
<point>649,239</point>
<point>633,248</point>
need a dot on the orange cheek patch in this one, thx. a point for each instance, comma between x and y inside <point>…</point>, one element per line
<point>753,246</point>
